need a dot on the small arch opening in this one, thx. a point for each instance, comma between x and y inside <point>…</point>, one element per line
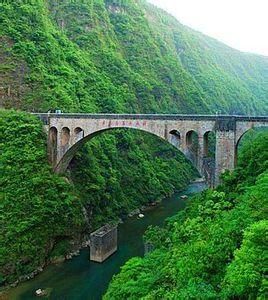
<point>192,139</point>
<point>192,146</point>
<point>78,133</point>
<point>209,144</point>
<point>53,141</point>
<point>175,139</point>
<point>65,136</point>
<point>176,133</point>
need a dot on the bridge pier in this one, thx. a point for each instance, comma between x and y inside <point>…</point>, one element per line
<point>200,156</point>
<point>225,153</point>
<point>225,147</point>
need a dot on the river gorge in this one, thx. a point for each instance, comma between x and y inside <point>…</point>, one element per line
<point>80,278</point>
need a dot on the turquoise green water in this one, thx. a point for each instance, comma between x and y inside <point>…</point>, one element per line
<point>81,279</point>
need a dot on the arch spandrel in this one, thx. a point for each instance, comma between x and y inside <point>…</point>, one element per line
<point>91,128</point>
<point>244,130</point>
<point>160,126</point>
<point>64,161</point>
<point>243,127</point>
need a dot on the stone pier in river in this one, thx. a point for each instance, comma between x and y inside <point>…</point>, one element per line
<point>103,243</point>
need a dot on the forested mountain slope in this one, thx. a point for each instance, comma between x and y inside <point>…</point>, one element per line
<point>43,216</point>
<point>105,56</point>
<point>117,56</point>
<point>215,248</point>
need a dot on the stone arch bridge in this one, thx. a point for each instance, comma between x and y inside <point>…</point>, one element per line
<point>68,132</point>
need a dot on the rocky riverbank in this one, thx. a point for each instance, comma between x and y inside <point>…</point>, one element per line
<point>82,242</point>
<point>77,246</point>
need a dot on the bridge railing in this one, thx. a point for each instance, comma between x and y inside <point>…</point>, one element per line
<point>172,117</point>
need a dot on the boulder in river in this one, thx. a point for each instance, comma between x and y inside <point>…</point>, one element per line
<point>141,216</point>
<point>43,292</point>
<point>134,212</point>
<point>40,292</point>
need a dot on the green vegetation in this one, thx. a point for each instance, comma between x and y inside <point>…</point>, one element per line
<point>101,56</point>
<point>215,248</point>
<point>142,169</point>
<point>36,206</point>
<point>120,56</point>
<point>40,211</point>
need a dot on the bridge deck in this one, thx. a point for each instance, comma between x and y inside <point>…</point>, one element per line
<point>151,117</point>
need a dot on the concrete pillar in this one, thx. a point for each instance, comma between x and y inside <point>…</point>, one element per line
<point>59,153</point>
<point>225,153</point>
<point>64,141</point>
<point>200,155</point>
<point>225,146</point>
<point>103,243</point>
<point>183,146</point>
<point>52,145</point>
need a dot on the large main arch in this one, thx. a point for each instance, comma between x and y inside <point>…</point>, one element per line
<point>67,132</point>
<point>78,138</point>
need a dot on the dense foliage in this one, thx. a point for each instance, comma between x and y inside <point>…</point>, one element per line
<point>107,56</point>
<point>215,248</point>
<point>142,169</point>
<point>40,210</point>
<point>36,206</point>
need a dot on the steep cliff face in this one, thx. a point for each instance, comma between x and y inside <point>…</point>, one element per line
<point>121,56</point>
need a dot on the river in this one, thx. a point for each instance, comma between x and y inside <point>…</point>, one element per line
<point>81,279</point>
